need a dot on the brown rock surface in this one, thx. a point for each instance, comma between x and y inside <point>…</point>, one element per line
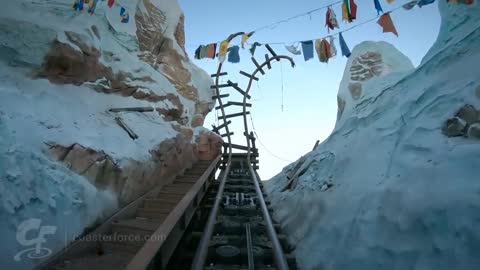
<point>169,159</point>
<point>157,49</point>
<point>209,145</point>
<point>197,120</point>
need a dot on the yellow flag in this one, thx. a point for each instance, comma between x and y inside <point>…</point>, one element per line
<point>345,16</point>
<point>223,48</point>
<point>245,37</point>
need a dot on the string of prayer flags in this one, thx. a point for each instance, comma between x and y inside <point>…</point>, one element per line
<point>254,47</point>
<point>343,46</point>
<point>323,50</point>
<point>233,54</point>
<point>386,23</point>
<point>125,17</point>
<point>422,3</point>
<point>349,10</point>
<point>378,7</point>
<point>110,3</point>
<point>331,20</point>
<point>307,48</point>
<point>222,51</point>
<point>410,5</point>
<point>92,5</point>
<point>293,49</point>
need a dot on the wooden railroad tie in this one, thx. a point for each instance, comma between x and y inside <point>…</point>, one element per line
<point>233,103</point>
<point>219,75</point>
<point>227,134</point>
<point>271,51</point>
<point>221,96</point>
<point>235,86</point>
<point>250,76</point>
<point>232,115</point>
<point>258,66</point>
<point>221,86</point>
<point>216,129</point>
<point>267,60</point>
<point>240,147</point>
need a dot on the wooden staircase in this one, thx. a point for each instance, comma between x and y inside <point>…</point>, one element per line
<point>128,235</point>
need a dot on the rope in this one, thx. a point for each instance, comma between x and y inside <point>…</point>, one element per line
<point>309,13</point>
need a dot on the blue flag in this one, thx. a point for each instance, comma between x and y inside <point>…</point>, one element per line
<point>378,7</point>
<point>307,48</point>
<point>345,50</point>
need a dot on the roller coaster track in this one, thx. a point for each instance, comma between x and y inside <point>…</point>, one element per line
<point>196,222</point>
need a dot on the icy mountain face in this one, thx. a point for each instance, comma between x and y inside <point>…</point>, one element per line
<point>64,157</point>
<point>388,189</point>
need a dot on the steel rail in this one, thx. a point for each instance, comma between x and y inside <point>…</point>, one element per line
<point>279,256</point>
<point>202,249</point>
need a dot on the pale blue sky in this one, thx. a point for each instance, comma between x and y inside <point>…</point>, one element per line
<point>309,89</point>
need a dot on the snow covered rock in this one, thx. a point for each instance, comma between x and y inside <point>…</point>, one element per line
<point>474,131</point>
<point>64,158</point>
<point>403,195</point>
<point>369,62</point>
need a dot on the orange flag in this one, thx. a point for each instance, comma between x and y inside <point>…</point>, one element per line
<point>386,23</point>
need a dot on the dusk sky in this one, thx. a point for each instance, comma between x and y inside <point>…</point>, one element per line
<point>309,89</point>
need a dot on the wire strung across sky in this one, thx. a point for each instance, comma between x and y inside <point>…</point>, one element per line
<point>338,32</point>
<point>275,24</point>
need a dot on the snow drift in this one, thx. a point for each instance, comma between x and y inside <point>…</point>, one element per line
<point>64,158</point>
<point>387,189</point>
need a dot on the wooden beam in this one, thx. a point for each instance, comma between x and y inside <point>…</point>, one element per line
<point>215,129</point>
<point>227,134</point>
<point>250,76</point>
<point>240,147</point>
<point>235,86</point>
<point>258,66</point>
<point>233,103</point>
<point>133,109</point>
<point>220,86</point>
<point>123,125</point>
<point>271,51</point>
<point>221,96</point>
<point>220,74</point>
<point>268,61</point>
<point>232,115</point>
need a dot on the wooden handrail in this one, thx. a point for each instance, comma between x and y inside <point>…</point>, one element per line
<point>145,255</point>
